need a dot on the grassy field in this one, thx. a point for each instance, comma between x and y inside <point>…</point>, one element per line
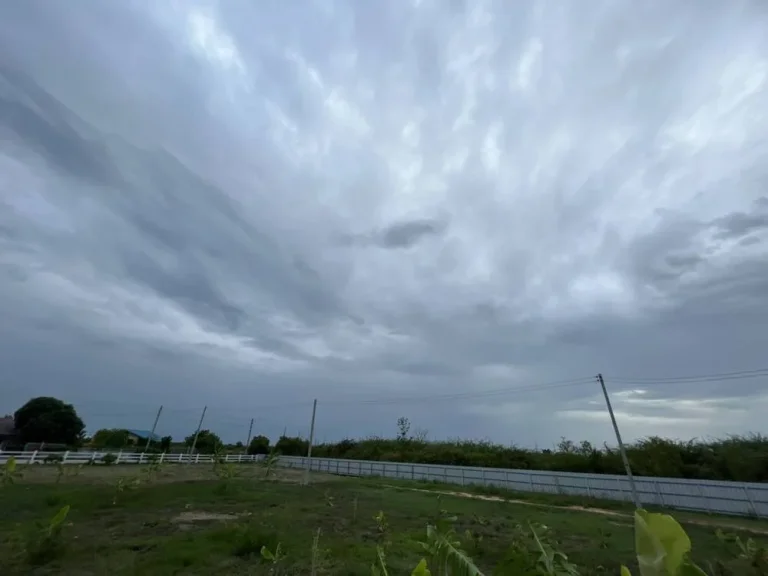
<point>190,520</point>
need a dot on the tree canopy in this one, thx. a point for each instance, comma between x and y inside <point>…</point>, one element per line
<point>259,445</point>
<point>46,419</point>
<point>207,442</point>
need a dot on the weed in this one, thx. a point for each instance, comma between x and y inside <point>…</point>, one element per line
<point>249,542</point>
<point>45,543</point>
<point>10,472</point>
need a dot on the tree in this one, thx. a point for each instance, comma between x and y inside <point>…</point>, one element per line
<point>403,427</point>
<point>165,443</point>
<point>46,419</point>
<point>207,442</point>
<point>110,438</point>
<point>259,445</point>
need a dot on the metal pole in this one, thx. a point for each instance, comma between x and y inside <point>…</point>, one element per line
<point>154,426</point>
<point>623,452</point>
<point>197,433</point>
<point>248,442</point>
<point>309,447</point>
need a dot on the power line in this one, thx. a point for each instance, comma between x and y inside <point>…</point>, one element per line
<point>725,376</point>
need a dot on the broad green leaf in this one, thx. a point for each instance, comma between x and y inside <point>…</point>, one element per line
<point>421,569</point>
<point>690,569</point>
<point>267,554</point>
<point>625,571</point>
<point>10,465</point>
<point>61,515</point>
<point>661,544</point>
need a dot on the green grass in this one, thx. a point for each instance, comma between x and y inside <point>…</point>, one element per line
<point>138,531</point>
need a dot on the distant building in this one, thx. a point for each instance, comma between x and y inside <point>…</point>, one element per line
<point>8,433</point>
<point>137,436</point>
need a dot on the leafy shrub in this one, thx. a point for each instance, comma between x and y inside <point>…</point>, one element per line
<point>108,459</point>
<point>259,445</point>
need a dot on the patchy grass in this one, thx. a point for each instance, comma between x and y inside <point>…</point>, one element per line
<point>183,522</point>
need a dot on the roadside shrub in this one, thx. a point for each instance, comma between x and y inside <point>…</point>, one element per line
<point>108,459</point>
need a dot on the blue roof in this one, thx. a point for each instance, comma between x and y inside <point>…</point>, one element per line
<point>144,434</point>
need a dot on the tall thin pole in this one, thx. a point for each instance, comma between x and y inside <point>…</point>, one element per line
<point>197,432</point>
<point>154,426</point>
<point>248,442</point>
<point>309,447</point>
<point>621,444</point>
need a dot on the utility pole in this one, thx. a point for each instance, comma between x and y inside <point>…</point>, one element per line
<point>621,444</point>
<point>154,426</point>
<point>197,433</point>
<point>248,442</point>
<point>309,447</point>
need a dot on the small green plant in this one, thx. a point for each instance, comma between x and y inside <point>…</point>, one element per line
<point>552,562</point>
<point>45,543</point>
<point>123,485</point>
<point>270,463</point>
<point>108,459</point>
<point>250,542</point>
<point>662,547</point>
<point>273,557</point>
<point>10,473</point>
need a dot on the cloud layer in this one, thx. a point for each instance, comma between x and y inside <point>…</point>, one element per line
<point>253,205</point>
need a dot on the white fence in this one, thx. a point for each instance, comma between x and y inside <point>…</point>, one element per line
<point>76,457</point>
<point>713,496</point>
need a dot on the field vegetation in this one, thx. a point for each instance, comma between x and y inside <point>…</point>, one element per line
<point>257,519</point>
<point>738,458</point>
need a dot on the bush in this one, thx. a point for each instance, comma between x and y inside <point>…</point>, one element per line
<point>259,445</point>
<point>736,458</point>
<point>108,459</point>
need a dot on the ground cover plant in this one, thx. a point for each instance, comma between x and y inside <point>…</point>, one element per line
<point>208,519</point>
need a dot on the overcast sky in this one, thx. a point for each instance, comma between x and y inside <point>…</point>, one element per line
<point>393,207</point>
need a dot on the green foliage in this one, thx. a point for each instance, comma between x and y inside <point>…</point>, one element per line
<point>207,442</point>
<point>165,443</point>
<point>250,542</point>
<point>46,419</point>
<point>109,438</point>
<point>108,459</point>
<point>736,458</point>
<point>45,543</point>
<point>10,472</point>
<point>259,445</point>
<point>270,463</point>
<point>292,446</point>
<point>662,547</point>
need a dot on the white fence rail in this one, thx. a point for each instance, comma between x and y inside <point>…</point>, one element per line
<point>713,496</point>
<point>77,457</point>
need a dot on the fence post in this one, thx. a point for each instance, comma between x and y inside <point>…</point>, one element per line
<point>64,460</point>
<point>239,458</point>
<point>141,458</point>
<point>413,471</point>
<point>751,503</point>
<point>557,484</point>
<point>482,476</point>
<point>462,475</point>
<point>660,493</point>
<point>119,454</point>
<point>181,457</point>
<point>32,458</point>
<point>162,456</point>
<point>530,481</point>
<point>589,491</point>
<point>197,457</point>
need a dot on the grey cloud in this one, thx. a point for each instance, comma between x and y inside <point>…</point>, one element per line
<point>176,217</point>
<point>406,234</point>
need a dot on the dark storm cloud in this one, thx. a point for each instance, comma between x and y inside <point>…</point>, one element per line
<point>524,197</point>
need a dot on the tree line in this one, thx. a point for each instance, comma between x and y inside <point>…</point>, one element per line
<point>737,458</point>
